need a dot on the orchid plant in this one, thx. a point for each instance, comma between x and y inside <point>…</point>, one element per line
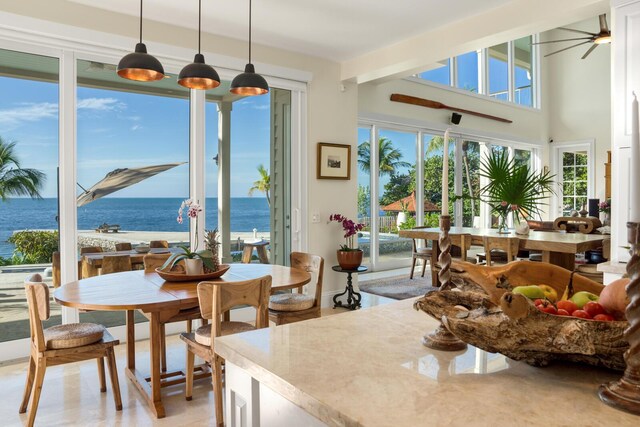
<point>605,206</point>
<point>193,210</point>
<point>350,230</point>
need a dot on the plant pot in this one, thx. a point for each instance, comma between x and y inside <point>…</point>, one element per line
<point>350,260</point>
<point>193,266</point>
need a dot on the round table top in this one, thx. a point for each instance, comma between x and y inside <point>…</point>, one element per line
<point>360,269</point>
<point>135,290</point>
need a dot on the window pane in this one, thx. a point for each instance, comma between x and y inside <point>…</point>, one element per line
<point>29,121</point>
<point>470,182</point>
<point>522,157</point>
<point>438,75</point>
<point>467,71</point>
<point>364,193</point>
<point>433,177</point>
<point>498,72</point>
<point>574,181</point>
<point>523,71</point>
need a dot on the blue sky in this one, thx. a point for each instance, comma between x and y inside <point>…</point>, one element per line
<point>121,129</point>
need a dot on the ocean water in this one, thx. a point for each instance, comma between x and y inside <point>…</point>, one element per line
<point>139,214</point>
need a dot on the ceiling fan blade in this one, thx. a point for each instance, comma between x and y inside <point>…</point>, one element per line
<point>567,48</point>
<point>564,40</point>
<point>577,31</point>
<point>591,49</point>
<point>604,28</point>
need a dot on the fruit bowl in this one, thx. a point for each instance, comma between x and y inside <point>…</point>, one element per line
<point>482,311</point>
<point>181,276</point>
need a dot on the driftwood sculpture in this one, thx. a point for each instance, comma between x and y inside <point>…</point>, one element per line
<point>483,312</point>
<point>585,225</point>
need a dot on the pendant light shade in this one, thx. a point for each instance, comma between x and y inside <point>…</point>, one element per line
<point>139,65</point>
<point>249,83</point>
<point>199,75</point>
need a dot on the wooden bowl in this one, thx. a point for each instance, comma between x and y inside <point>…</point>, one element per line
<point>482,312</point>
<point>173,276</point>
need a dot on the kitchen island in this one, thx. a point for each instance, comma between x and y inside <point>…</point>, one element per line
<point>369,368</point>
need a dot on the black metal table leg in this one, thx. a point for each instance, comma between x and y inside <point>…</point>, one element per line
<point>353,297</point>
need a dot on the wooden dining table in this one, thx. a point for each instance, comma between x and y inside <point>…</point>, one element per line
<point>149,293</point>
<point>557,247</point>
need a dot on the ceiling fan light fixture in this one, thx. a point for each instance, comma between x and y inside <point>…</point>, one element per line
<point>604,39</point>
<point>199,75</point>
<point>139,65</point>
<point>249,83</point>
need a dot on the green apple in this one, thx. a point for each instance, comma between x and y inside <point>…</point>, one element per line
<point>583,297</point>
<point>531,292</point>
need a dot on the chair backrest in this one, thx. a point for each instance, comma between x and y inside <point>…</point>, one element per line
<point>157,244</point>
<point>509,245</point>
<point>153,261</point>
<point>38,302</point>
<point>55,269</point>
<point>462,241</point>
<point>216,298</point>
<point>313,264</point>
<point>116,264</point>
<point>125,246</point>
<point>90,250</point>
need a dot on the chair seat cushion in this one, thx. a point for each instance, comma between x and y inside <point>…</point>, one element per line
<point>72,335</point>
<point>203,333</point>
<point>291,302</point>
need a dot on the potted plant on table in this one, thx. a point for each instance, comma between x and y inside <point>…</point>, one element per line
<point>605,208</point>
<point>513,188</point>
<point>195,261</point>
<point>349,258</point>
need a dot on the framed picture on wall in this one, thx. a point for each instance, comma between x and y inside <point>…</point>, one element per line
<point>334,161</point>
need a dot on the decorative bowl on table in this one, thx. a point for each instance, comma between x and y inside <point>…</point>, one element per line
<point>181,276</point>
<point>482,312</point>
<point>142,249</point>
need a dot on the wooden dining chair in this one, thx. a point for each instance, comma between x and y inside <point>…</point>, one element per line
<point>188,314</point>
<point>123,246</point>
<point>216,299</point>
<point>159,244</point>
<point>423,253</point>
<point>293,307</point>
<point>56,269</point>
<point>508,245</point>
<point>463,243</point>
<point>62,344</point>
<point>89,270</point>
<point>115,264</point>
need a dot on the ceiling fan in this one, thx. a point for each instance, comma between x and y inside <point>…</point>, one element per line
<point>602,37</point>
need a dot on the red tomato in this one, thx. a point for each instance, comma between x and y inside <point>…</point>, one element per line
<point>550,309</point>
<point>563,312</point>
<point>604,317</point>
<point>538,302</point>
<point>581,314</point>
<point>567,305</point>
<point>593,308</point>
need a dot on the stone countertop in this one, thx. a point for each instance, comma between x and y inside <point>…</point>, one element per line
<point>613,267</point>
<point>368,367</point>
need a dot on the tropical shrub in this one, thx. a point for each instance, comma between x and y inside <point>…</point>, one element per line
<point>34,246</point>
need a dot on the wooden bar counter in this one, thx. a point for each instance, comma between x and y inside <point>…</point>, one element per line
<point>369,368</point>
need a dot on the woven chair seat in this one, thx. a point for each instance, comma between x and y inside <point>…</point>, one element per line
<point>203,333</point>
<point>291,302</point>
<point>72,335</point>
<point>423,253</point>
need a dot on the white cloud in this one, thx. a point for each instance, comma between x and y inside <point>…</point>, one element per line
<point>100,104</point>
<point>28,112</point>
<point>136,127</point>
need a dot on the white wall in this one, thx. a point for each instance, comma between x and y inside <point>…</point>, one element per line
<point>577,94</point>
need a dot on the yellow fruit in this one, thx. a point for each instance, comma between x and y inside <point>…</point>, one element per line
<point>549,292</point>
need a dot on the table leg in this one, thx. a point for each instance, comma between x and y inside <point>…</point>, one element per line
<point>155,337</point>
<point>247,251</point>
<point>131,340</point>
<point>353,297</point>
<point>435,252</point>
<point>262,254</point>
<point>563,260</point>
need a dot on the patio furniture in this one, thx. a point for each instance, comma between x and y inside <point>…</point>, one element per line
<point>423,253</point>
<point>159,301</point>
<point>123,246</point>
<point>261,249</point>
<point>293,307</point>
<point>87,269</point>
<point>106,228</point>
<point>153,261</point>
<point>215,299</point>
<point>156,244</point>
<point>115,264</point>
<point>507,245</point>
<point>55,269</point>
<point>62,344</point>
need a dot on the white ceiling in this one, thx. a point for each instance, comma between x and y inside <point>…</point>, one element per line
<point>332,29</point>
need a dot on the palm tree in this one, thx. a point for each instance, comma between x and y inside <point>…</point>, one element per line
<point>388,157</point>
<point>262,185</point>
<point>14,180</point>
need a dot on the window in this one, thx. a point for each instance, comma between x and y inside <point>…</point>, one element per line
<point>505,72</point>
<point>470,182</point>
<point>364,193</point>
<point>440,75</point>
<point>467,71</point>
<point>574,181</point>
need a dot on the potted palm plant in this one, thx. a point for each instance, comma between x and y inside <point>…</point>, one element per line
<point>513,188</point>
<point>349,258</point>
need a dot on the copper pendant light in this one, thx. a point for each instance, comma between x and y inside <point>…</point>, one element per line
<point>249,83</point>
<point>199,75</point>
<point>140,66</point>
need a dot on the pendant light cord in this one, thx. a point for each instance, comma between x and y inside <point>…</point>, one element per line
<point>140,21</point>
<point>199,23</point>
<point>249,31</point>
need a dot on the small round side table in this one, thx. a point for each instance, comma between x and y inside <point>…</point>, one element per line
<point>353,297</point>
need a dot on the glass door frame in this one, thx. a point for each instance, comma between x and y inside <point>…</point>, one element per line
<point>558,148</point>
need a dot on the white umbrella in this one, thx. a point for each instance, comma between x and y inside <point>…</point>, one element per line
<point>121,178</point>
